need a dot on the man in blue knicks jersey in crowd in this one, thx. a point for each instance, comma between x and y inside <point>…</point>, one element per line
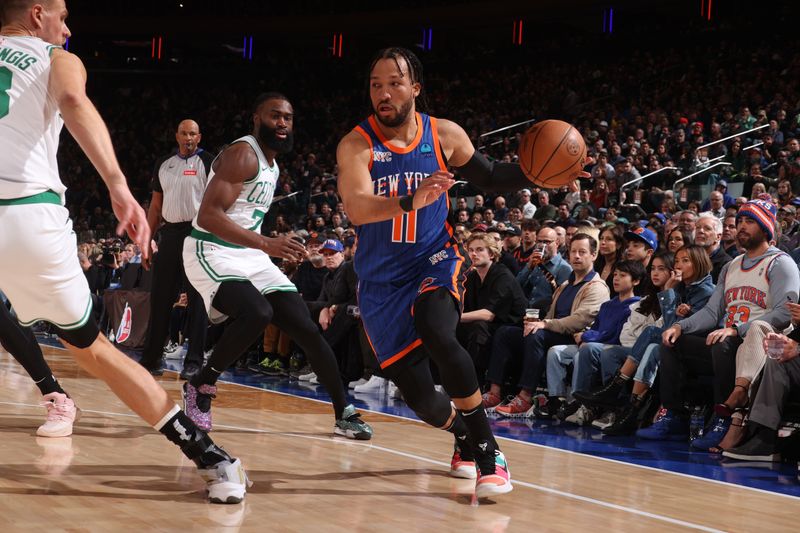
<point>393,180</point>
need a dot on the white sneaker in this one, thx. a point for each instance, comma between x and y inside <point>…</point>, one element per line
<point>307,377</point>
<point>354,384</point>
<point>226,482</point>
<point>61,414</point>
<point>581,417</point>
<point>314,380</point>
<point>605,421</point>
<point>393,391</point>
<point>174,351</point>
<point>375,384</point>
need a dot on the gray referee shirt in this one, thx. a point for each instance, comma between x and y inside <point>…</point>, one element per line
<point>182,181</point>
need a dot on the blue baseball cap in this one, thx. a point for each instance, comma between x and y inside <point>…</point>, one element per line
<point>333,245</point>
<point>645,235</point>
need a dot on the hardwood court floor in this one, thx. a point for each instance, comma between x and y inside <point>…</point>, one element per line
<point>116,473</point>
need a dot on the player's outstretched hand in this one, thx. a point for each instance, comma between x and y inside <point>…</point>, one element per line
<point>131,217</point>
<point>285,247</point>
<point>432,187</point>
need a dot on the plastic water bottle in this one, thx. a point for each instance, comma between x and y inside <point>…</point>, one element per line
<point>697,422</point>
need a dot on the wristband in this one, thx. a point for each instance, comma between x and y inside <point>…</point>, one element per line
<point>407,203</point>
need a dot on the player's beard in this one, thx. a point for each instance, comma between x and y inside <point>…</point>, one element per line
<point>270,138</point>
<point>402,115</point>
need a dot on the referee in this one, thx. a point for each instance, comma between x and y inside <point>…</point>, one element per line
<point>179,180</point>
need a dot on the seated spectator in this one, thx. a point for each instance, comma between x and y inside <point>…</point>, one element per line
<point>500,209</point>
<point>790,228</point>
<point>575,306</point>
<point>584,204</point>
<point>640,245</point>
<point>544,273</point>
<point>588,345</point>
<point>729,241</point>
<point>488,217</point>
<point>545,211</point>
<point>785,193</point>
<point>781,376</point>
<point>751,299</point>
<point>611,248</point>
<point>677,239</point>
<point>528,209</point>
<point>308,276</point>
<point>687,221</point>
<point>599,195</point>
<point>564,219</point>
<point>492,299</point>
<point>715,205</point>
<point>676,294</point>
<point>708,234</point>
<point>523,252</point>
<point>505,258</point>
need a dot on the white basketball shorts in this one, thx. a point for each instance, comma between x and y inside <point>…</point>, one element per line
<point>39,269</point>
<point>208,264</point>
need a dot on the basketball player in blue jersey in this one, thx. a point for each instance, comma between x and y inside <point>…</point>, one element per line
<point>393,180</point>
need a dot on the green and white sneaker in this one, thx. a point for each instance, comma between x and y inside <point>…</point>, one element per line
<point>351,425</point>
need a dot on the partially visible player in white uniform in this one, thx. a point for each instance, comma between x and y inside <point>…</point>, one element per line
<point>227,261</point>
<point>42,87</point>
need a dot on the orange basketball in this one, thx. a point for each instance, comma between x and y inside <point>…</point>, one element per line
<point>552,153</point>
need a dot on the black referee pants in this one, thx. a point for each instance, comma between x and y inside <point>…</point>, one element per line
<point>169,278</point>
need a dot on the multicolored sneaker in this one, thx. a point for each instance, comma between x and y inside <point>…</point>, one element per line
<point>61,414</point>
<point>197,404</point>
<point>516,408</point>
<point>226,481</point>
<point>351,425</point>
<point>461,468</point>
<point>498,482</point>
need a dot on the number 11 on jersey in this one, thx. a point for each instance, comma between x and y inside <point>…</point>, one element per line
<point>409,220</point>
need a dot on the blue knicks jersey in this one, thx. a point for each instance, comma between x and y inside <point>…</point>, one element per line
<point>396,249</point>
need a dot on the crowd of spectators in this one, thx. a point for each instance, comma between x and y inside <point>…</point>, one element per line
<point>613,239</point>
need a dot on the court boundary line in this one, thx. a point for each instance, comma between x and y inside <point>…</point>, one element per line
<point>508,439</point>
<point>408,455</point>
<point>536,445</point>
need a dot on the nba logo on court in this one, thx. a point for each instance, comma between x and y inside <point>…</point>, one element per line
<point>124,330</point>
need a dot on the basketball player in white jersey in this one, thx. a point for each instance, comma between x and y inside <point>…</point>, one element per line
<point>228,261</point>
<point>749,303</point>
<point>42,87</point>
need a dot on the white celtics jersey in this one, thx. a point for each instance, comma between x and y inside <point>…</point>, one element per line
<point>747,295</point>
<point>253,202</point>
<point>29,120</point>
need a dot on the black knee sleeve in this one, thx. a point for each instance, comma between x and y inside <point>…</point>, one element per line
<point>433,408</point>
<point>81,337</point>
<point>416,384</point>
